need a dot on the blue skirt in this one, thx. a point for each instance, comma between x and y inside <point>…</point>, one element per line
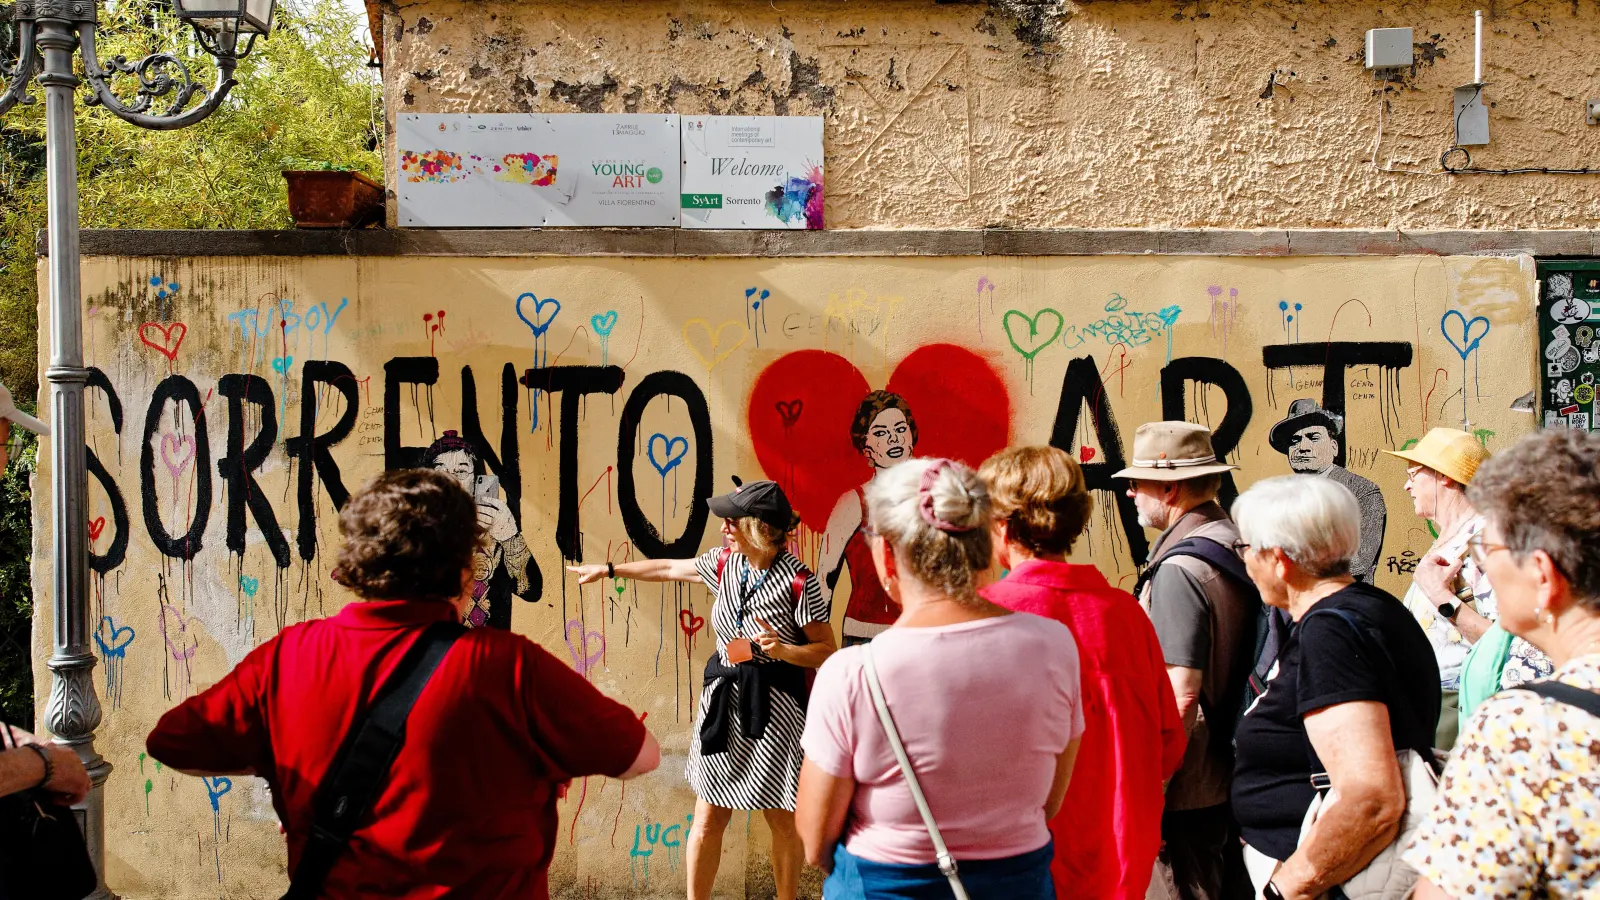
<point>1022,877</point>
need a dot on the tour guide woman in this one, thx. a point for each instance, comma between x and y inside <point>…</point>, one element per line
<point>771,623</point>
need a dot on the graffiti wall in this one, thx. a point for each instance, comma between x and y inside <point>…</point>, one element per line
<point>593,405</point>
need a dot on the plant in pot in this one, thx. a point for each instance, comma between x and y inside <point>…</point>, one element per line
<point>322,195</point>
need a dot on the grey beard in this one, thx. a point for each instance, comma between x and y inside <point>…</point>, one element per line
<point>1144,521</point>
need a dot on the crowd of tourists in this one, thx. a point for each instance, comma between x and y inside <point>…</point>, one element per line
<point>1252,721</point>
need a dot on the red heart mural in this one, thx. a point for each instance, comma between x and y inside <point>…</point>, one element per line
<point>802,405</point>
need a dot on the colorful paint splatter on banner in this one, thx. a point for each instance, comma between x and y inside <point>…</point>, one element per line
<point>529,168</point>
<point>431,166</point>
<point>799,198</point>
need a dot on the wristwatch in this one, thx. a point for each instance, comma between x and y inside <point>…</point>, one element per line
<point>1449,610</point>
<point>1271,892</point>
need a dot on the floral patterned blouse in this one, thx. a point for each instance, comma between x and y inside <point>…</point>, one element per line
<point>1523,664</point>
<point>1515,814</point>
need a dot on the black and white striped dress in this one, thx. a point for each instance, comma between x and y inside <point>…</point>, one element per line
<point>755,774</point>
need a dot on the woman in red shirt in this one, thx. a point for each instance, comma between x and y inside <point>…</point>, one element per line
<point>469,806</point>
<point>1108,831</point>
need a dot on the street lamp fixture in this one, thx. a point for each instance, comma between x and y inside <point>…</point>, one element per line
<point>47,32</point>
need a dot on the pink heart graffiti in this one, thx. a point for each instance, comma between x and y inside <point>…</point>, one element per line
<point>582,659</point>
<point>170,444</point>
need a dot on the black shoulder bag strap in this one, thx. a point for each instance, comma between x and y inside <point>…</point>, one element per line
<point>361,768</point>
<point>1571,695</point>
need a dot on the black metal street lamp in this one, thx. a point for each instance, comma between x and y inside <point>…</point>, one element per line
<point>48,32</point>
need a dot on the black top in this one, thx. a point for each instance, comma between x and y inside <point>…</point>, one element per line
<point>1325,663</point>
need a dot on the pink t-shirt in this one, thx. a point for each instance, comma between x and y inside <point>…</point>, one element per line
<point>984,708</point>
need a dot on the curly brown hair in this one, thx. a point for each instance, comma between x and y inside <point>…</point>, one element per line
<point>408,535</point>
<point>1041,494</point>
<point>1544,494</point>
<point>875,403</point>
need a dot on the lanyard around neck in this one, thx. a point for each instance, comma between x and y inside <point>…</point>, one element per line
<point>745,591</point>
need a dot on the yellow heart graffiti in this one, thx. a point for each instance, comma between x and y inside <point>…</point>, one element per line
<point>715,354</point>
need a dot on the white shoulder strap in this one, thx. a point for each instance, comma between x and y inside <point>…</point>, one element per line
<point>947,863</point>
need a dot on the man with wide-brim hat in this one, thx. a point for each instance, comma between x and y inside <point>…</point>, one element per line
<point>1450,595</point>
<point>1204,610</point>
<point>1310,437</point>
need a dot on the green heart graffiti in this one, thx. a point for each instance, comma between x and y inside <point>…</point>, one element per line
<point>1037,339</point>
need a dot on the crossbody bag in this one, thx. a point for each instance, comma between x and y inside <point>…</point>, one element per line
<point>947,863</point>
<point>361,769</point>
<point>1387,876</point>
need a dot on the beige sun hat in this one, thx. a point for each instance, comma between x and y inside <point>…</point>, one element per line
<point>1452,453</point>
<point>1172,451</point>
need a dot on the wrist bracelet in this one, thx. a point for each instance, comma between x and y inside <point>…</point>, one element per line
<point>611,570</point>
<point>49,765</point>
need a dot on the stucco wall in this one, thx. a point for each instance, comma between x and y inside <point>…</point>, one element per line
<point>1248,114</point>
<point>776,352</point>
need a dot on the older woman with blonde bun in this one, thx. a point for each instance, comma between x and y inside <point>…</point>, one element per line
<point>985,700</point>
<point>1133,739</point>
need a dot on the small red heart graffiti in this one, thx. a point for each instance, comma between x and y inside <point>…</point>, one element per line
<point>789,411</point>
<point>96,527</point>
<point>169,344</point>
<point>1085,454</point>
<point>690,623</point>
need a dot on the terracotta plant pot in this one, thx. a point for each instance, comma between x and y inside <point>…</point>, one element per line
<point>333,199</point>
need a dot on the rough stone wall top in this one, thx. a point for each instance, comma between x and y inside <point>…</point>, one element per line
<point>1049,114</point>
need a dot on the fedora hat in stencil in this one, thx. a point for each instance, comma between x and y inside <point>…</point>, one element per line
<point>1172,451</point>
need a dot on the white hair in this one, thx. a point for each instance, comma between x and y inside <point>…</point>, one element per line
<point>947,560</point>
<point>1315,521</point>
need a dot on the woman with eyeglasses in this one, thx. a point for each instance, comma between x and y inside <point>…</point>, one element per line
<point>1355,683</point>
<point>770,621</point>
<point>1450,596</point>
<point>1514,815</point>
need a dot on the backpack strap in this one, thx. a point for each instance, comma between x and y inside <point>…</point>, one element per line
<point>722,561</point>
<point>1570,694</point>
<point>361,768</point>
<point>1223,558</point>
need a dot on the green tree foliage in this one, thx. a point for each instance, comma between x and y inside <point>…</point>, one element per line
<point>305,99</point>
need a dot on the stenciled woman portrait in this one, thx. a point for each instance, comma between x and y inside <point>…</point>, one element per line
<point>884,432</point>
<point>505,565</point>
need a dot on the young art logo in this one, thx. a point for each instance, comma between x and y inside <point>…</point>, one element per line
<point>630,174</point>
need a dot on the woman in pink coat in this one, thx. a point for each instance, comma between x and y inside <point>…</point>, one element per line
<point>1133,738</point>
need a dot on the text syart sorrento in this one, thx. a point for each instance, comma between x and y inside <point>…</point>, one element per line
<point>593,405</point>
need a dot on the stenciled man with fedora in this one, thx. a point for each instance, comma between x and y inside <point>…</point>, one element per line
<point>1205,610</point>
<point>1309,436</point>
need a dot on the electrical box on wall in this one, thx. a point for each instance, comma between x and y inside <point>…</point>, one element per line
<point>1471,116</point>
<point>1389,48</point>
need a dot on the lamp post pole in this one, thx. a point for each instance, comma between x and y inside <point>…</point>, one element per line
<point>49,32</point>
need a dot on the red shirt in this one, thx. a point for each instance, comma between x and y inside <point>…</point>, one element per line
<point>1133,738</point>
<point>469,809</point>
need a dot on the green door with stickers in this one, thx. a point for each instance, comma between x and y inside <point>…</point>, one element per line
<point>1569,343</point>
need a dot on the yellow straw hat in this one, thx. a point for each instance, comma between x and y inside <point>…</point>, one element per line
<point>1453,454</point>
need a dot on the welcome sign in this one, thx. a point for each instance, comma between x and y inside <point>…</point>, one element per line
<point>495,171</point>
<point>752,172</point>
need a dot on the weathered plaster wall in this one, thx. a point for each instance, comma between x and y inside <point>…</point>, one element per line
<point>776,352</point>
<point>1046,113</point>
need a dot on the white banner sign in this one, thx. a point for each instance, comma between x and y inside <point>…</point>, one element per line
<point>498,171</point>
<point>752,172</point>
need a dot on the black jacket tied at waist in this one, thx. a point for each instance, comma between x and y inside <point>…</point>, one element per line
<point>755,705</point>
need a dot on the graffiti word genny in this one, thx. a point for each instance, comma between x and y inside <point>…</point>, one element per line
<point>251,403</point>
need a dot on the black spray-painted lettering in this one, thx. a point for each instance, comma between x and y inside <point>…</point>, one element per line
<point>644,534</point>
<point>239,466</point>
